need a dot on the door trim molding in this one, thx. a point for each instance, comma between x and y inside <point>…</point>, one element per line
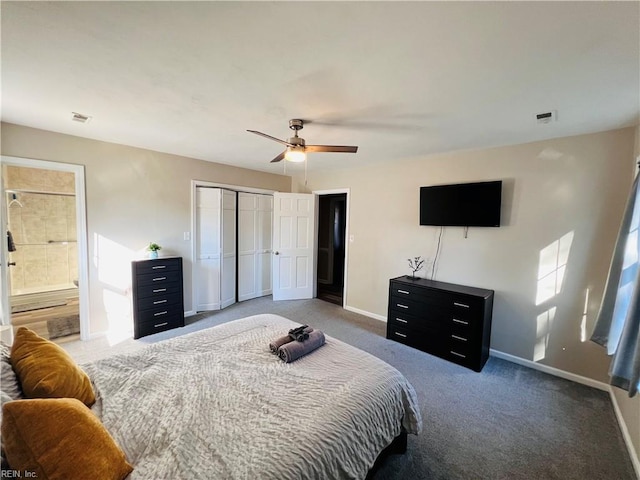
<point>81,227</point>
<point>347,241</point>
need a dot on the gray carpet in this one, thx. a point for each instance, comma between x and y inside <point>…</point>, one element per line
<point>508,422</point>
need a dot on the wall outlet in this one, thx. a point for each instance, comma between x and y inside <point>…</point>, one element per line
<point>187,236</point>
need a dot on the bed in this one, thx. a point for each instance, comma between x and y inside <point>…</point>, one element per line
<point>217,404</point>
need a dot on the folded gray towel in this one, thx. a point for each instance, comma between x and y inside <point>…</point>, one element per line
<point>277,343</point>
<point>292,351</point>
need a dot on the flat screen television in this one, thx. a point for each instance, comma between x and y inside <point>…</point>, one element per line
<point>461,205</point>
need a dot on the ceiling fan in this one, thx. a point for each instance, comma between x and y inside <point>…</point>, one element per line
<point>297,150</point>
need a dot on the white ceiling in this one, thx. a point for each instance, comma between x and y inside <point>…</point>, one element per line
<point>399,79</point>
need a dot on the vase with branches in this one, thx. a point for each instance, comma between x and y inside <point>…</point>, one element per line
<point>416,265</point>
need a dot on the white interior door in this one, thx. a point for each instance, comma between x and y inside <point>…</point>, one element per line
<point>208,247</point>
<point>228,248</point>
<point>293,245</point>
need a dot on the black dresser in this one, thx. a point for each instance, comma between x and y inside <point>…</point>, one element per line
<point>158,303</point>
<point>444,319</point>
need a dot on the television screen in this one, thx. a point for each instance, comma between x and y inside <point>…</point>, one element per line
<point>461,205</point>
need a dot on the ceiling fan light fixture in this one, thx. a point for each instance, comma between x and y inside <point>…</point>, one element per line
<point>295,154</point>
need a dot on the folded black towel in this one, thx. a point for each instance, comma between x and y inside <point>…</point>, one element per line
<point>277,343</point>
<point>292,351</point>
<point>10,245</point>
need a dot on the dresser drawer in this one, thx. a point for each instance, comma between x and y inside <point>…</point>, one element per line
<point>158,301</point>
<point>418,294</point>
<point>158,290</point>
<point>466,308</point>
<point>403,320</point>
<point>159,312</point>
<point>158,278</point>
<point>415,339</point>
<point>158,266</point>
<point>160,325</point>
<point>419,309</point>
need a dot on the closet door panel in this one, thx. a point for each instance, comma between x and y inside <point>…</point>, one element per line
<point>264,235</point>
<point>228,248</point>
<point>208,218</point>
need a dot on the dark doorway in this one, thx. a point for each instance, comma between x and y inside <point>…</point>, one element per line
<point>332,224</point>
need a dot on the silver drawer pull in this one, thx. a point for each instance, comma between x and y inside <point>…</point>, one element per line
<point>400,334</point>
<point>403,291</point>
<point>401,320</point>
<point>158,325</point>
<point>160,313</point>
<point>460,305</point>
<point>401,306</point>
<point>159,266</point>
<point>159,290</point>
<point>460,321</point>
<point>459,338</point>
<point>159,302</point>
<point>458,354</point>
<point>159,278</point>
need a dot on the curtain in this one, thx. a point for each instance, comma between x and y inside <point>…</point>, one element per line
<point>618,323</point>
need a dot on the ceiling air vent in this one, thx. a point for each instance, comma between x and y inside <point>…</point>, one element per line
<point>78,117</point>
<point>547,117</point>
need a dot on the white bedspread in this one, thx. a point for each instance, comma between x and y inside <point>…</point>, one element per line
<point>216,404</point>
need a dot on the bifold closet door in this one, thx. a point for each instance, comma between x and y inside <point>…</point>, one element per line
<point>228,248</point>
<point>254,245</point>
<point>215,248</point>
<point>264,258</point>
<point>208,241</point>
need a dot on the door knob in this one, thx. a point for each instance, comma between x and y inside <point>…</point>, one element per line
<point>12,264</point>
<point>277,253</point>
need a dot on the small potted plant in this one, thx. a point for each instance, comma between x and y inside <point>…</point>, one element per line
<point>153,250</point>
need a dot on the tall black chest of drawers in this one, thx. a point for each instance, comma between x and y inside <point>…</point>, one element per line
<point>158,302</point>
<point>444,319</point>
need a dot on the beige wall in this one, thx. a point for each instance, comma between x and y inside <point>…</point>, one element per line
<point>133,197</point>
<point>553,190</point>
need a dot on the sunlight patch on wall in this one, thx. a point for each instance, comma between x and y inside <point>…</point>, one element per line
<point>544,322</point>
<point>113,263</point>
<point>552,268</point>
<point>583,321</point>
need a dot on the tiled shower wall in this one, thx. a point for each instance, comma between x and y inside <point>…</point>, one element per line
<point>43,229</point>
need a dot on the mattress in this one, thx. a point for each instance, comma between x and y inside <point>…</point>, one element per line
<point>217,404</point>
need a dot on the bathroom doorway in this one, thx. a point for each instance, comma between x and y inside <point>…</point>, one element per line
<point>42,244</point>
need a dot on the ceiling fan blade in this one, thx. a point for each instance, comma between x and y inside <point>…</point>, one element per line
<point>269,137</point>
<point>279,157</point>
<point>331,148</point>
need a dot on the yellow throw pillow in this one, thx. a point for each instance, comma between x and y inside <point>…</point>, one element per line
<point>45,370</point>
<point>60,439</point>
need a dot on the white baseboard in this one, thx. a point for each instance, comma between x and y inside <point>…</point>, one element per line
<point>550,370</point>
<point>375,316</point>
<point>625,433</point>
<point>95,335</point>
